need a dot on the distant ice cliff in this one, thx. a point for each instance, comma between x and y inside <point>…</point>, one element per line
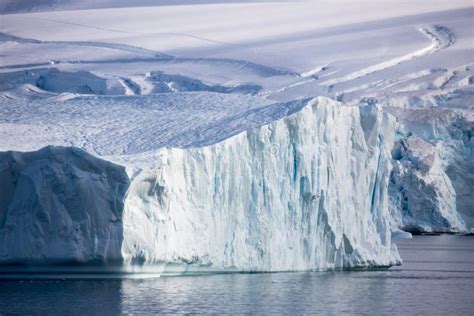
<point>433,176</point>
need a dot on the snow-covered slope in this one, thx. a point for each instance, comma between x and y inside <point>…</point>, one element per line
<point>295,194</point>
<point>352,51</point>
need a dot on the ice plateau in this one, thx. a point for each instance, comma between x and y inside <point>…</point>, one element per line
<point>295,194</point>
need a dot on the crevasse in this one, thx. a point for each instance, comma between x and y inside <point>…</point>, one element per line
<point>305,192</point>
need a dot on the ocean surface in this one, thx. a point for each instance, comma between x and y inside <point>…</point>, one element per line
<point>436,278</point>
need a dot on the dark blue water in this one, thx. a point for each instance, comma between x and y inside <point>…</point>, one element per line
<point>437,278</point>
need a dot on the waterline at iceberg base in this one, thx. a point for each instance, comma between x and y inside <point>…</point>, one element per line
<point>306,192</point>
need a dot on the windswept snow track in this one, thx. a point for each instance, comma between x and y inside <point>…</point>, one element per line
<point>121,47</point>
<point>152,56</point>
<point>441,37</point>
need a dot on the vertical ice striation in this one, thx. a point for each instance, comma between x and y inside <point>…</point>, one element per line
<point>305,192</point>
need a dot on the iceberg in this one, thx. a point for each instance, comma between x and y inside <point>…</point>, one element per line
<point>305,192</point>
<point>60,204</point>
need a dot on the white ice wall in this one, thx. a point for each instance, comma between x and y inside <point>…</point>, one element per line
<point>306,192</point>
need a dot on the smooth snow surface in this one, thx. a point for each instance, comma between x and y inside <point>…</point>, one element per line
<point>169,88</point>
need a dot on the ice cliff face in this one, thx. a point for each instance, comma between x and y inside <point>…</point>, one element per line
<point>305,192</point>
<point>423,198</point>
<point>433,176</point>
<point>60,204</point>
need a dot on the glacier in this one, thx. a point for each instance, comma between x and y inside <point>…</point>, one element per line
<point>158,103</point>
<point>305,192</point>
<point>432,178</point>
<point>423,197</point>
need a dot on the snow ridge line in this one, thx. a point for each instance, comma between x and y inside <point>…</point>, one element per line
<point>441,37</point>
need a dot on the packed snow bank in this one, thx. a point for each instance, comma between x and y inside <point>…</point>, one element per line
<point>308,191</point>
<point>433,175</point>
<point>60,204</point>
<point>305,192</point>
